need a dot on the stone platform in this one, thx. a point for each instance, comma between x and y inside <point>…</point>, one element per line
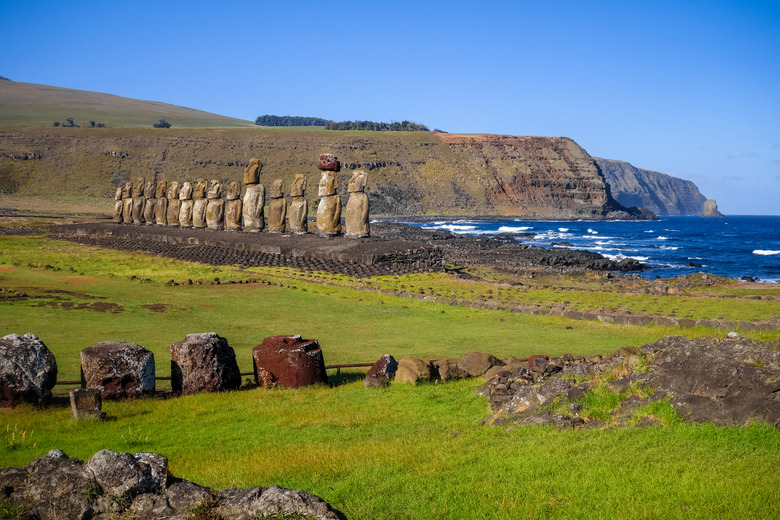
<point>354,257</point>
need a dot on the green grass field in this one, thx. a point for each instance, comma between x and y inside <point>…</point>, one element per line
<point>402,452</point>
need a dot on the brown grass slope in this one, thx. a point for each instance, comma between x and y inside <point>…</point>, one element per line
<point>410,173</point>
<point>30,104</point>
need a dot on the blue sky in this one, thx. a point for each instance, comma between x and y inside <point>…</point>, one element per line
<point>688,88</point>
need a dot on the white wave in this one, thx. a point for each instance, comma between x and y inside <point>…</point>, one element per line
<point>455,228</point>
<point>513,229</point>
<point>592,232</point>
<point>563,229</point>
<point>670,248</point>
<point>618,257</point>
<point>662,238</point>
<point>649,231</point>
<point>765,252</point>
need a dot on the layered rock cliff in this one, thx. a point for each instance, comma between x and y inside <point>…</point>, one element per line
<point>660,193</point>
<point>410,173</point>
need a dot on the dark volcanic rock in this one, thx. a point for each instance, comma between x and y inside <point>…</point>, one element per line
<point>121,485</point>
<point>288,361</point>
<point>384,368</point>
<point>328,162</point>
<point>726,381</point>
<point>120,370</point>
<point>203,363</point>
<point>28,370</point>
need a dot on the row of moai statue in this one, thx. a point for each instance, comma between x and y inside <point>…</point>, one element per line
<point>202,206</point>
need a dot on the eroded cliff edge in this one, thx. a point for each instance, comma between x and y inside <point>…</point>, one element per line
<point>410,173</point>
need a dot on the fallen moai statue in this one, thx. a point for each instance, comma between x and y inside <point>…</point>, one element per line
<point>124,485</point>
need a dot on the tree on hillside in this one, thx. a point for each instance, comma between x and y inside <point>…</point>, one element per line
<point>269,120</point>
<point>162,123</point>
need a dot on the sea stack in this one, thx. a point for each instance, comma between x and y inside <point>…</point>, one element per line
<point>710,209</point>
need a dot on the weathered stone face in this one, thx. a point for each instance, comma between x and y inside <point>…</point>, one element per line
<point>327,185</point>
<point>120,370</point>
<point>298,186</point>
<point>28,370</point>
<point>185,191</point>
<point>138,187</point>
<point>277,209</point>
<point>357,220</point>
<point>127,191</point>
<point>234,191</point>
<point>203,363</point>
<point>150,189</point>
<point>252,172</point>
<point>162,189</point>
<point>328,162</point>
<point>288,361</point>
<point>358,181</point>
<point>215,189</point>
<point>199,191</point>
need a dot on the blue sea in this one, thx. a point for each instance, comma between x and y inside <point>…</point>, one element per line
<point>733,246</point>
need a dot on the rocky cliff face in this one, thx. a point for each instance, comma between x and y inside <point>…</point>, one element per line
<point>409,173</point>
<point>660,193</point>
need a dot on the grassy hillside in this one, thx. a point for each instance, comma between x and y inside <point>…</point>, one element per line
<point>396,453</point>
<point>33,105</point>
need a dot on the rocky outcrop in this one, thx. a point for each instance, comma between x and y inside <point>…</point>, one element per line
<point>413,370</point>
<point>28,370</point>
<point>723,381</point>
<point>660,193</point>
<point>710,209</point>
<point>382,372</point>
<point>139,486</point>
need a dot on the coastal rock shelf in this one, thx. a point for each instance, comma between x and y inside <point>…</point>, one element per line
<point>353,257</point>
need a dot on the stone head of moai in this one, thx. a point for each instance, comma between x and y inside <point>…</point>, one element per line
<point>185,192</point>
<point>277,190</point>
<point>138,187</point>
<point>199,191</point>
<point>328,162</point>
<point>298,186</point>
<point>358,181</point>
<point>162,188</point>
<point>328,183</point>
<point>127,191</point>
<point>234,191</point>
<point>173,190</point>
<point>118,193</point>
<point>215,189</point>
<point>151,188</point>
<point>252,172</point>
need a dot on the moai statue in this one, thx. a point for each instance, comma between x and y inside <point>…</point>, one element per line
<point>138,200</point>
<point>185,210</point>
<point>127,203</point>
<point>118,205</point>
<point>233,210</point>
<point>329,209</point>
<point>215,210</point>
<point>254,198</point>
<point>199,205</point>
<point>297,221</point>
<point>277,208</point>
<point>150,191</point>
<point>356,221</point>
<point>174,204</point>
<point>161,207</point>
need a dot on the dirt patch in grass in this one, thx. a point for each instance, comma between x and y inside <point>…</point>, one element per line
<point>157,307</point>
<point>106,307</point>
<point>4,268</point>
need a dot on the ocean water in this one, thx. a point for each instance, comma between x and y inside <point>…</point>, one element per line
<point>734,246</point>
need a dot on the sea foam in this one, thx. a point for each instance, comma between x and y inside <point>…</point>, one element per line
<point>765,252</point>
